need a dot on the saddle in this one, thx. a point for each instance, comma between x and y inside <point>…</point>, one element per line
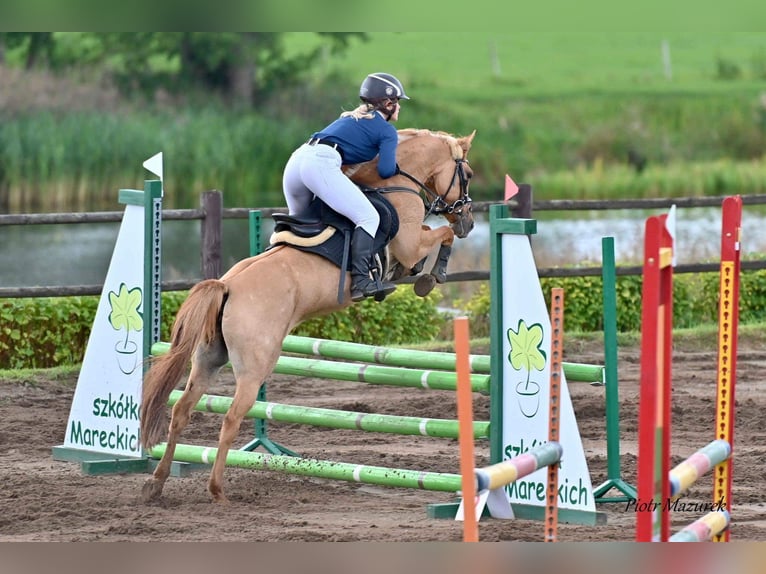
<point>325,232</point>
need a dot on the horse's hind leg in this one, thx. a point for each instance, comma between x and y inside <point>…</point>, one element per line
<point>205,366</point>
<point>250,368</point>
<point>244,398</point>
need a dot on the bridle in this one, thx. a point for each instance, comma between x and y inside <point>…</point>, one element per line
<point>435,203</point>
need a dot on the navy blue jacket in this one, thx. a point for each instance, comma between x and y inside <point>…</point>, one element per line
<point>361,140</point>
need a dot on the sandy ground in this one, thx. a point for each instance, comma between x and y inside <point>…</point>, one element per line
<point>47,500</point>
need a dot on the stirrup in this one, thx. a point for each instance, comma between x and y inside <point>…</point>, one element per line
<point>371,288</point>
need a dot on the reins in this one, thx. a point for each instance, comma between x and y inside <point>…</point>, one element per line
<point>435,203</point>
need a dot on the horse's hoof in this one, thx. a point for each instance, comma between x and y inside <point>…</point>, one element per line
<point>221,499</point>
<point>424,285</point>
<point>151,490</point>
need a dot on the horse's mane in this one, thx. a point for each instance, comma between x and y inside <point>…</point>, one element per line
<point>409,133</point>
<point>406,134</point>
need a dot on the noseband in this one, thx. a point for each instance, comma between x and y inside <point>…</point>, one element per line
<point>435,203</point>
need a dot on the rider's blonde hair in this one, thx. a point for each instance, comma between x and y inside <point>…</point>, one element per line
<point>363,111</point>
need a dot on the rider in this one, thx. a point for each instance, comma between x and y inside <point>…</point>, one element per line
<point>355,137</point>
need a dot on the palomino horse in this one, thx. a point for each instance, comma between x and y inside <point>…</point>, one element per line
<point>244,317</point>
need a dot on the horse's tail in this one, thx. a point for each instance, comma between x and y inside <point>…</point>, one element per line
<point>197,322</point>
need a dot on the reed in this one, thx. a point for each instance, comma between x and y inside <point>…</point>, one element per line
<point>570,132</point>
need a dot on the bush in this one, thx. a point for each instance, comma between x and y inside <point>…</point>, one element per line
<point>51,332</point>
<point>38,333</point>
<point>695,301</point>
<point>404,318</point>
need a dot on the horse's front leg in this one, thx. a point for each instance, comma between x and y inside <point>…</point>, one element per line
<point>428,240</point>
<point>438,274</point>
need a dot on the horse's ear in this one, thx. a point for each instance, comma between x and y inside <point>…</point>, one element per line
<point>465,141</point>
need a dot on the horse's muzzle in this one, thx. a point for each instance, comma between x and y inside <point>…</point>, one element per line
<point>463,224</point>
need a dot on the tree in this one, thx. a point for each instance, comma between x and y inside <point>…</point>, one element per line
<point>239,66</point>
<point>38,47</point>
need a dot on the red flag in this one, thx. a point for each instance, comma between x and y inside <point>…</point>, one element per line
<point>511,188</point>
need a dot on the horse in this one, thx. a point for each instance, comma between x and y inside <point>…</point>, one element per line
<point>244,316</point>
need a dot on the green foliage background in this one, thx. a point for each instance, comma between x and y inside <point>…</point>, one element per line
<point>51,332</point>
<point>576,115</point>
<point>590,115</point>
<point>36,333</point>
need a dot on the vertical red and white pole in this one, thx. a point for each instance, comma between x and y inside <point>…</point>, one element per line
<point>654,427</point>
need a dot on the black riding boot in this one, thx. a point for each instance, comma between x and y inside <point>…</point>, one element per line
<point>365,281</point>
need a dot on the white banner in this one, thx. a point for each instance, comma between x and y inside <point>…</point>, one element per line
<point>104,413</point>
<point>526,385</point>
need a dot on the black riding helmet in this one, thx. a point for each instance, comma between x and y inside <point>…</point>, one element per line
<point>379,87</point>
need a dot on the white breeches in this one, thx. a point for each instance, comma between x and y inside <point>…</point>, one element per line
<point>315,170</point>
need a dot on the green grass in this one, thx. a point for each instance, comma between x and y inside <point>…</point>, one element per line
<point>559,111</point>
<point>67,375</point>
<point>472,65</point>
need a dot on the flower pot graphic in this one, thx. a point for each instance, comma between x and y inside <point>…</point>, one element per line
<point>529,398</point>
<point>125,314</point>
<point>526,355</point>
<point>127,356</point>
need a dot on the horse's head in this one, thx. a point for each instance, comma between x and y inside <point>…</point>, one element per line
<point>437,163</point>
<point>440,161</point>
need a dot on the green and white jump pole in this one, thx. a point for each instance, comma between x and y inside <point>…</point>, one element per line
<point>337,419</point>
<point>383,476</point>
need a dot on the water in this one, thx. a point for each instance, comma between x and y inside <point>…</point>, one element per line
<point>79,254</point>
<point>577,241</point>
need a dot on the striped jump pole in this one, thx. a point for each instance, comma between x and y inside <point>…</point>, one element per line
<point>350,472</point>
<point>511,470</point>
<point>379,475</point>
<point>381,355</point>
<point>373,374</point>
<point>704,528</point>
<point>685,474</point>
<point>438,360</point>
<point>490,482</point>
<point>339,419</point>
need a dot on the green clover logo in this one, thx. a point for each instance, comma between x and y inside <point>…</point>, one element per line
<point>525,348</point>
<point>527,354</point>
<point>125,310</point>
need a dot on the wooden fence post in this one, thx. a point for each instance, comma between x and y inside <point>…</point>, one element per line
<point>523,209</point>
<point>210,230</point>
